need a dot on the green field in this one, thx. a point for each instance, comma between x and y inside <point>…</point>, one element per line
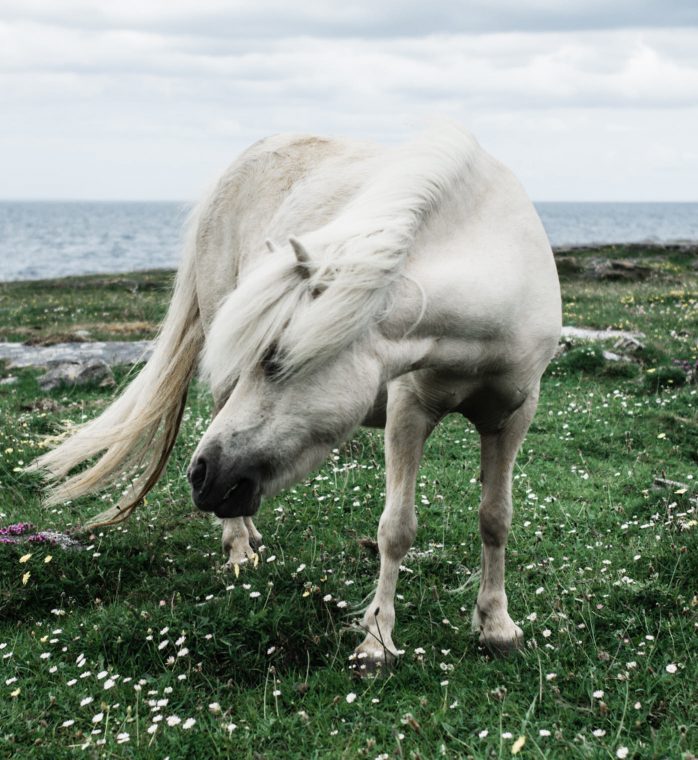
<point>138,643</point>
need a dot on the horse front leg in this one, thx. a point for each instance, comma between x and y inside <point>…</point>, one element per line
<point>241,540</point>
<point>408,426</point>
<point>498,454</point>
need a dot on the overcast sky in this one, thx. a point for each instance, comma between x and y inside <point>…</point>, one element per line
<point>151,99</point>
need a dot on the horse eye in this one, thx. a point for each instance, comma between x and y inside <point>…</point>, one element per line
<point>271,366</point>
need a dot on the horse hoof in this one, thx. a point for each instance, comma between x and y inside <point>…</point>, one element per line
<point>239,558</point>
<point>504,641</point>
<point>372,663</point>
<point>498,633</point>
<point>501,647</point>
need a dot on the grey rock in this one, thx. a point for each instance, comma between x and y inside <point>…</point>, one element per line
<point>570,263</point>
<point>609,356</point>
<point>627,342</point>
<point>111,352</point>
<point>617,269</point>
<point>90,372</point>
<point>629,345</point>
<point>584,333</point>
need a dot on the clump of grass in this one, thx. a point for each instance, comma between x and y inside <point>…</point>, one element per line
<point>622,370</point>
<point>587,359</point>
<point>652,356</point>
<point>664,377</point>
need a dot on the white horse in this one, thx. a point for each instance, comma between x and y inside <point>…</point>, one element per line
<point>327,284</point>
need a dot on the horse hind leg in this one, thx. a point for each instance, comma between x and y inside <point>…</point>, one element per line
<point>408,426</point>
<point>498,454</point>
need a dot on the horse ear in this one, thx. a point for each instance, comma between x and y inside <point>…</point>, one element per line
<point>302,256</point>
<point>270,246</point>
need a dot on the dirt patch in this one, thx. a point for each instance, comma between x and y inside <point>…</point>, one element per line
<point>84,333</point>
<point>53,339</point>
<point>121,328</point>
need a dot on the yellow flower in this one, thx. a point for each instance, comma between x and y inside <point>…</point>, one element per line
<point>25,578</point>
<point>517,746</point>
<point>47,559</point>
<point>15,693</point>
<point>24,558</point>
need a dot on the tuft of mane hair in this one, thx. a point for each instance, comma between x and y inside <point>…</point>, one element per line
<point>314,301</point>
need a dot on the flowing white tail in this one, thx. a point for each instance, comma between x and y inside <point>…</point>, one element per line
<point>136,433</point>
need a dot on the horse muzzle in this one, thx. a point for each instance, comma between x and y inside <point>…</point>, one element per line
<point>232,495</point>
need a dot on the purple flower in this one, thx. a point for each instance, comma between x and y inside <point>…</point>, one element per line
<point>18,529</point>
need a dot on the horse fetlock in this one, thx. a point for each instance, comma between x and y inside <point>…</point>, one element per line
<point>379,620</point>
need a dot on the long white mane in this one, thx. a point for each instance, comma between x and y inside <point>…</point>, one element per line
<point>309,312</point>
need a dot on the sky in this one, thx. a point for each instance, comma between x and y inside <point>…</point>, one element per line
<point>151,99</point>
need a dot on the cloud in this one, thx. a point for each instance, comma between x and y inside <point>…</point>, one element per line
<point>151,99</point>
<point>625,67</point>
<point>388,18</point>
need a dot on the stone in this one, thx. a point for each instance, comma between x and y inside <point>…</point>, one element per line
<point>617,269</point>
<point>629,344</point>
<point>609,356</point>
<point>75,373</point>
<point>112,352</point>
<point>585,333</point>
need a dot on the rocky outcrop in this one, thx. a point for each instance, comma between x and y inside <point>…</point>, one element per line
<point>89,372</point>
<point>112,353</point>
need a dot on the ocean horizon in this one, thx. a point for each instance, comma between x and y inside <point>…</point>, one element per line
<point>46,239</point>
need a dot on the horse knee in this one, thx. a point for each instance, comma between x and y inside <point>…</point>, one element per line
<point>495,521</point>
<point>396,535</point>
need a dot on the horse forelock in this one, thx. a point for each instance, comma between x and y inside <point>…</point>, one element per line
<point>310,312</point>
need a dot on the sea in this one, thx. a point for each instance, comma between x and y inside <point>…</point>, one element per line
<point>47,239</point>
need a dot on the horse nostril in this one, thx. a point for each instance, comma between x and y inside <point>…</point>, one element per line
<point>197,474</point>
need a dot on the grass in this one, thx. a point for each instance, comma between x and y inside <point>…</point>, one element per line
<point>108,646</point>
<point>104,307</point>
